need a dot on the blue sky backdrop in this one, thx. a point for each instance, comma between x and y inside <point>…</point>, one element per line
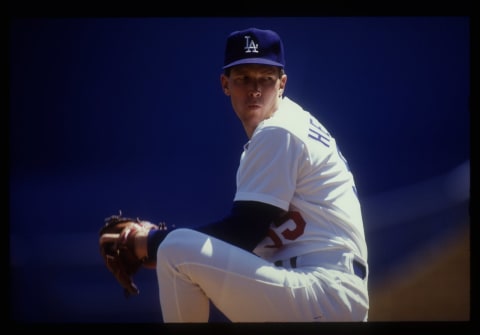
<point>128,113</point>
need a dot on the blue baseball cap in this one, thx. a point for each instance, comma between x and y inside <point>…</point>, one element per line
<point>254,46</point>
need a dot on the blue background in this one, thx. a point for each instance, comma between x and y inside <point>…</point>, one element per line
<point>110,114</point>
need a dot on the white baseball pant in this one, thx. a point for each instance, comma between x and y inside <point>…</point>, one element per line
<point>193,268</point>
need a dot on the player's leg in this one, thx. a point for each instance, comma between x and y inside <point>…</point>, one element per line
<point>193,268</point>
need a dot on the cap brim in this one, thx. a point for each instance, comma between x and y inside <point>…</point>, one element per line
<point>253,61</point>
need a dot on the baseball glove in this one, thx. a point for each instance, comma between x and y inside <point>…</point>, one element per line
<point>117,248</point>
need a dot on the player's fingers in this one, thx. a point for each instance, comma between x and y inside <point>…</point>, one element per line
<point>109,238</point>
<point>129,230</point>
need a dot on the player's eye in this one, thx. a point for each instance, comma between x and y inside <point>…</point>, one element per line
<point>242,80</point>
<point>268,79</point>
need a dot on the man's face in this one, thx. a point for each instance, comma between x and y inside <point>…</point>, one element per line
<point>255,91</point>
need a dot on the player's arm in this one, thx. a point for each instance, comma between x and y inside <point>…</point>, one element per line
<point>245,226</point>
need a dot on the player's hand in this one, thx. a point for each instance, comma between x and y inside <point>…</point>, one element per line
<point>123,247</point>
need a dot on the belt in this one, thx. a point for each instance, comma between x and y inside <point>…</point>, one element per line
<point>358,268</point>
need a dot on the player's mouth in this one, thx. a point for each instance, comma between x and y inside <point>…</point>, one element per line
<point>254,105</point>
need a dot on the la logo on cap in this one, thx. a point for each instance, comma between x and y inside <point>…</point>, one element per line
<point>250,45</point>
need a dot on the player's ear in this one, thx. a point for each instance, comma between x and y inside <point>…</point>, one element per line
<point>224,83</point>
<point>283,83</point>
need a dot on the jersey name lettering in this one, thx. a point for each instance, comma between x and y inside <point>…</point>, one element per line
<point>318,133</point>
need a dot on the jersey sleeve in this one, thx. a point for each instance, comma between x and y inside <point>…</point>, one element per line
<point>245,226</point>
<point>268,168</point>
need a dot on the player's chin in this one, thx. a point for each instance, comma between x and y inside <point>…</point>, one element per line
<point>254,114</point>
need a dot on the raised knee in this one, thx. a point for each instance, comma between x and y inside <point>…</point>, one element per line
<point>176,237</point>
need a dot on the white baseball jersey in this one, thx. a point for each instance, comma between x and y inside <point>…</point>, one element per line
<point>294,163</point>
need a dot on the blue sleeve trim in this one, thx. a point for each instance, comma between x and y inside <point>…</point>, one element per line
<point>155,237</point>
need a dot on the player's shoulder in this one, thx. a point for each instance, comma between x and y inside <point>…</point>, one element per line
<point>288,116</point>
<point>293,118</point>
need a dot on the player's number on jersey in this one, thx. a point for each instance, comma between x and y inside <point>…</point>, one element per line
<point>288,234</point>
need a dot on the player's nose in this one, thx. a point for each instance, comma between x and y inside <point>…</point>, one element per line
<point>255,90</point>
